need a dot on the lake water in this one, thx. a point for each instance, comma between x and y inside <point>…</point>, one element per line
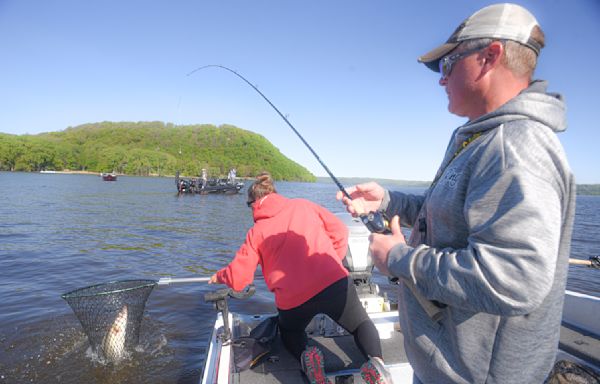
<point>62,232</point>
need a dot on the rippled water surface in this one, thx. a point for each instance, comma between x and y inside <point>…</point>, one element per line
<point>62,232</point>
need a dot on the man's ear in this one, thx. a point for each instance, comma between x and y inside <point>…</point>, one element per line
<point>492,54</point>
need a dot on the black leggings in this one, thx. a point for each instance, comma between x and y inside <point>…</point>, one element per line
<point>340,302</point>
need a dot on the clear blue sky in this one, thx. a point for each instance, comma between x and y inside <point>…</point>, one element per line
<point>344,71</point>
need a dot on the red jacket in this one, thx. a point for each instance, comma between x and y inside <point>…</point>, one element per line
<point>299,245</point>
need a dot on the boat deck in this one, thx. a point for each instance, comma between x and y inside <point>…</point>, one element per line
<point>342,356</point>
<point>340,353</point>
<point>580,344</point>
<point>343,359</point>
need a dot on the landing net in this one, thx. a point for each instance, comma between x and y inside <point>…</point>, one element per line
<point>111,314</point>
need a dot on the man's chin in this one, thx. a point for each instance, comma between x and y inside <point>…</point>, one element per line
<point>455,111</point>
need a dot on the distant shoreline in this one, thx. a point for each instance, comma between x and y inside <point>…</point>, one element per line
<point>93,173</point>
<point>68,172</point>
<point>71,172</point>
<point>582,189</point>
<point>359,180</point>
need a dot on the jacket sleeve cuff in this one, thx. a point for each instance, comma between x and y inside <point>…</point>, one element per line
<point>385,201</point>
<point>399,261</point>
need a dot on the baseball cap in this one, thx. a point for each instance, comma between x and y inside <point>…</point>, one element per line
<point>499,21</point>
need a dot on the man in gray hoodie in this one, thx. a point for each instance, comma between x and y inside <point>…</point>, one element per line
<point>482,276</point>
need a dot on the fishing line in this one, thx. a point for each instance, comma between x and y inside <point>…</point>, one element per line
<point>375,221</point>
<point>335,180</point>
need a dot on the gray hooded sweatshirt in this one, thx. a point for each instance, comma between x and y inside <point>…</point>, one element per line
<point>490,243</point>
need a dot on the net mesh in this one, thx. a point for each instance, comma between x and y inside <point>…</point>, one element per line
<point>111,314</point>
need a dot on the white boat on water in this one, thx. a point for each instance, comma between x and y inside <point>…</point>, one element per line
<point>239,340</point>
<point>109,176</point>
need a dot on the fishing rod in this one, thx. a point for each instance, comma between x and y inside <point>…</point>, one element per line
<point>375,221</point>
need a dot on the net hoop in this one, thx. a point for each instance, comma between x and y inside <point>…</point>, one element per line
<point>105,288</point>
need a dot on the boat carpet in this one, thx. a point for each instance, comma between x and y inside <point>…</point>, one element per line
<point>340,354</point>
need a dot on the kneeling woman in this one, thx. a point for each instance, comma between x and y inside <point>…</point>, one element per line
<point>300,247</point>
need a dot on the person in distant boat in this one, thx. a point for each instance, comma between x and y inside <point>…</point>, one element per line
<point>300,247</point>
<point>231,176</point>
<point>203,178</point>
<point>482,276</point>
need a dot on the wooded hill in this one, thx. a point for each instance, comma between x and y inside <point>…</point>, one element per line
<point>149,148</point>
<point>588,189</point>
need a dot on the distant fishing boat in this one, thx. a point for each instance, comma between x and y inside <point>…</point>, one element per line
<point>204,186</point>
<point>45,171</point>
<point>109,176</point>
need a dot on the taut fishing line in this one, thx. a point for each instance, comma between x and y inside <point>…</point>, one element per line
<point>335,180</point>
<point>375,221</point>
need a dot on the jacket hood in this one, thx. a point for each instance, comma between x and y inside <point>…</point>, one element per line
<point>533,103</point>
<point>268,206</point>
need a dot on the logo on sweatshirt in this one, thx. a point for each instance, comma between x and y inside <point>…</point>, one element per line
<point>450,178</point>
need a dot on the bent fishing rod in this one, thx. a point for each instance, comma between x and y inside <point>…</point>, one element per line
<point>375,221</point>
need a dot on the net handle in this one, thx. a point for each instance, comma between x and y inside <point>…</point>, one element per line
<point>172,280</point>
<point>592,262</point>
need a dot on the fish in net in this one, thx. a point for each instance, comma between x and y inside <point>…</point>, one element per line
<point>111,315</point>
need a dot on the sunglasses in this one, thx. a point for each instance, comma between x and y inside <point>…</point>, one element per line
<point>447,62</point>
<point>249,203</point>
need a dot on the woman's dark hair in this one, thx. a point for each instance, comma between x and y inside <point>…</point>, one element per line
<point>262,186</point>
